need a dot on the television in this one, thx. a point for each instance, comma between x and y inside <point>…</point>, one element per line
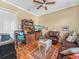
<point>4,37</point>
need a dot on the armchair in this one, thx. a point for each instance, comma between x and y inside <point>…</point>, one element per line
<point>52,35</point>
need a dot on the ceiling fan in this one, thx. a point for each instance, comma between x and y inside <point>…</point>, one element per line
<point>44,3</point>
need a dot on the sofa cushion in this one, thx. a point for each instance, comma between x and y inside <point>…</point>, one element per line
<point>65,57</point>
<point>67,44</point>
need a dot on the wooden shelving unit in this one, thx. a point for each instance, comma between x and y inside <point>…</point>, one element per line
<point>27,25</point>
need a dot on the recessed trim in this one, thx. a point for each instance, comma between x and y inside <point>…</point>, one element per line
<point>20,7</point>
<point>61,9</point>
<point>8,11</point>
<point>41,14</point>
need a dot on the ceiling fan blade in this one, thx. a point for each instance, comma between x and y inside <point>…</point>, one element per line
<point>46,8</point>
<point>39,7</point>
<point>50,2</point>
<point>38,2</point>
<point>44,1</point>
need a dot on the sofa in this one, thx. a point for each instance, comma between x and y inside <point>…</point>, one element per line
<point>7,51</point>
<point>65,45</point>
<point>56,37</point>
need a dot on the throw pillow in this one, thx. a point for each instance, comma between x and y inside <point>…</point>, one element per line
<point>77,41</point>
<point>70,51</point>
<point>72,37</point>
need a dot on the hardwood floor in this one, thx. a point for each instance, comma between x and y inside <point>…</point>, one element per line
<point>24,51</point>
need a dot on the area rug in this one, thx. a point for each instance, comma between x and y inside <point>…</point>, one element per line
<point>41,55</point>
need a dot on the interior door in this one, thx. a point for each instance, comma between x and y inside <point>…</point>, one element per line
<point>8,22</point>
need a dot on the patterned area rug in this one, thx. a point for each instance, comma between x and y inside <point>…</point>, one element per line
<point>41,55</point>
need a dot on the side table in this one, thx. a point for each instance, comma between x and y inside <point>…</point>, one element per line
<point>46,44</point>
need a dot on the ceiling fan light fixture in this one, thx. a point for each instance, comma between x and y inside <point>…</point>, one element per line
<point>44,3</point>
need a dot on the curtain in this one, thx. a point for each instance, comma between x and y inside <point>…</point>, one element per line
<point>8,22</point>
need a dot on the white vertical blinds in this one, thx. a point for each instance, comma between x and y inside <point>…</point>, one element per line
<point>8,22</point>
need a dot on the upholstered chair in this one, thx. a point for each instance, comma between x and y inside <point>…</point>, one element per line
<point>52,35</point>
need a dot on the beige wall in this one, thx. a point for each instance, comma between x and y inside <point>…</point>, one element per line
<point>60,18</point>
<point>20,13</point>
<point>57,19</point>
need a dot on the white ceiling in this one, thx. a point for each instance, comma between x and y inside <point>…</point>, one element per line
<point>30,6</point>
